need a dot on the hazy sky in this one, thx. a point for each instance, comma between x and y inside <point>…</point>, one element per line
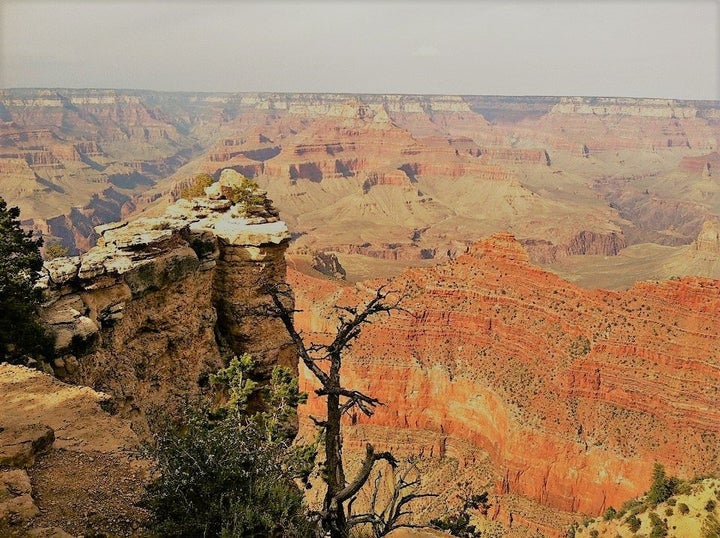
<point>648,48</point>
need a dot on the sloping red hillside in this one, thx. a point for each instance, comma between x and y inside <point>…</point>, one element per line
<point>573,393</point>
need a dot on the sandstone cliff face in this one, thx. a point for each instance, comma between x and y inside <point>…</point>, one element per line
<point>83,151</point>
<point>420,181</point>
<point>708,241</point>
<point>574,394</point>
<point>603,124</point>
<point>160,302</point>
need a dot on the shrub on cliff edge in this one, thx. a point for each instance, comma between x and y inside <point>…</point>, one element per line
<point>56,250</point>
<point>229,473</point>
<point>20,330</point>
<point>197,187</point>
<point>663,487</point>
<point>246,193</point>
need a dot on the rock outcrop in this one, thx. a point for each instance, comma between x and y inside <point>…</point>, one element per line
<point>708,240</point>
<point>574,394</point>
<point>328,264</point>
<point>66,464</point>
<point>160,302</point>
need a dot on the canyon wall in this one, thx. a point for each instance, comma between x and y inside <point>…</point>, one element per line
<point>163,302</point>
<point>566,175</point>
<point>572,393</point>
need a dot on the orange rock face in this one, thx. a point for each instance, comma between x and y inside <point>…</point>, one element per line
<point>573,393</point>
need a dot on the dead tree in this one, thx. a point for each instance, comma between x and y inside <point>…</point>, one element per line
<point>340,400</point>
<point>391,517</point>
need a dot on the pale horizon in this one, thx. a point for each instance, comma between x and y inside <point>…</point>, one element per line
<point>651,49</point>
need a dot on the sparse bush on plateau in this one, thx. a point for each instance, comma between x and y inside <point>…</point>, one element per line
<point>197,187</point>
<point>711,527</point>
<point>247,193</point>
<point>633,523</point>
<point>56,250</point>
<point>658,526</point>
<point>633,506</point>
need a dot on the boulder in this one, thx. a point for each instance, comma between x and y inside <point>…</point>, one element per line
<point>61,270</point>
<point>19,445</point>
<point>16,503</point>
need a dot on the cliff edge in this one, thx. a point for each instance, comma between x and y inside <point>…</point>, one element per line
<point>159,303</point>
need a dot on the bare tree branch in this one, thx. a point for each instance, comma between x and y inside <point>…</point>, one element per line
<point>322,424</point>
<point>364,473</point>
<point>389,518</point>
<point>285,316</point>
<point>351,319</point>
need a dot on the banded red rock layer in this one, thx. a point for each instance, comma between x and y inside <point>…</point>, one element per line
<point>704,164</point>
<point>573,393</point>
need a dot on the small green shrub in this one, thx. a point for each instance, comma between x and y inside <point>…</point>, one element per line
<point>633,523</point>
<point>610,513</point>
<point>247,193</point>
<point>710,505</point>
<point>197,187</point>
<point>669,512</point>
<point>658,527</point>
<point>683,488</point>
<point>231,473</point>
<point>594,533</point>
<point>663,487</point>
<point>683,508</point>
<point>633,506</point>
<point>56,250</point>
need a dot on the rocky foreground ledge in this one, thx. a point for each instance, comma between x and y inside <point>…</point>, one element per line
<point>159,302</point>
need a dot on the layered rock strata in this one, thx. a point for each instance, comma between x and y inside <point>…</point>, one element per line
<point>574,394</point>
<point>158,304</point>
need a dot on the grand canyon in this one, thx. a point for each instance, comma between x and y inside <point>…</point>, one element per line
<point>558,259</point>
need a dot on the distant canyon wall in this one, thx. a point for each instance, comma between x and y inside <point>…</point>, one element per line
<point>74,159</point>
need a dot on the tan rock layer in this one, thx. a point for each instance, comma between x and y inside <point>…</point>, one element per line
<point>160,302</point>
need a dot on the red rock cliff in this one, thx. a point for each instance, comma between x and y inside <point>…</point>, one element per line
<point>573,393</point>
